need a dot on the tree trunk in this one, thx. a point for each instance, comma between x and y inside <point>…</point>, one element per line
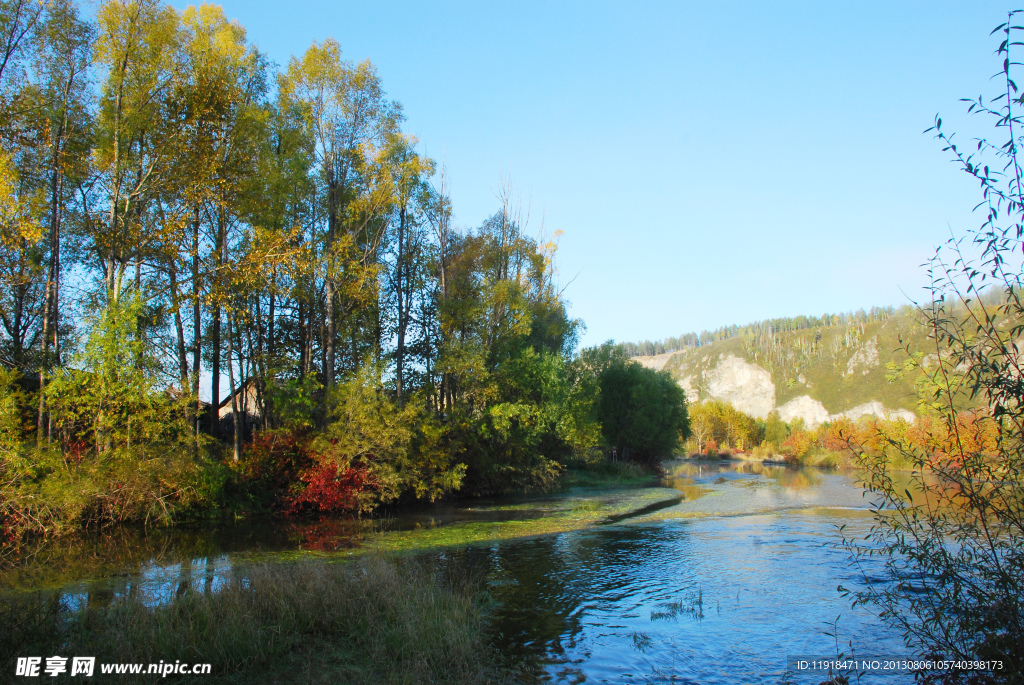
<point>329,283</point>
<point>197,321</point>
<point>179,327</point>
<point>234,392</point>
<point>215,371</point>
<point>215,332</point>
<point>268,404</point>
<point>400,289</point>
<point>49,299</point>
<point>303,347</point>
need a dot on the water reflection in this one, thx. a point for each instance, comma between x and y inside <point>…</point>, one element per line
<point>790,477</point>
<point>106,558</point>
<point>720,600</point>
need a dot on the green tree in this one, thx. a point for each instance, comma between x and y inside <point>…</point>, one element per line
<point>126,457</point>
<point>776,430</point>
<point>62,58</point>
<point>406,275</point>
<point>399,447</point>
<point>137,47</point>
<point>113,397</point>
<point>505,344</point>
<point>642,412</point>
<point>298,247</point>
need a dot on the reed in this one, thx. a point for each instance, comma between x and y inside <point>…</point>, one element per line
<point>374,620</point>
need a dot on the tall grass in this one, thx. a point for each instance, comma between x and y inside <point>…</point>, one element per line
<point>370,621</point>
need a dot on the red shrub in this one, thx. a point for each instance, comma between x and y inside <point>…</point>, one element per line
<point>305,481</point>
<point>330,490</point>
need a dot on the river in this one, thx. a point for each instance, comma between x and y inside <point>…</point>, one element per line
<point>715,575</point>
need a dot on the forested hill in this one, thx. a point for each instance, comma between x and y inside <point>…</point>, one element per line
<point>808,367</point>
<point>687,341</point>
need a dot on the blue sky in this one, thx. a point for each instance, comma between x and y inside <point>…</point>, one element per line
<point>707,163</point>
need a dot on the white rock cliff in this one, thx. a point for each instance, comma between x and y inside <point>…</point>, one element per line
<point>749,388</point>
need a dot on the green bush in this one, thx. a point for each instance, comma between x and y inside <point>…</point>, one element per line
<point>642,412</point>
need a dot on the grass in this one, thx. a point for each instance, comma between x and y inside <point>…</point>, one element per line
<point>370,621</point>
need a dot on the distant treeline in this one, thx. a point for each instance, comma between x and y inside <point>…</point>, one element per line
<point>754,330</point>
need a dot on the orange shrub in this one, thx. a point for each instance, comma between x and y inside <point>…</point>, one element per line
<point>798,444</point>
<point>838,435</point>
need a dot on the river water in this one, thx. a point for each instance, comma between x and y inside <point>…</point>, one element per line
<point>718,574</point>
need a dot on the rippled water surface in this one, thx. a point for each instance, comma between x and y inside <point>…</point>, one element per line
<point>715,575</point>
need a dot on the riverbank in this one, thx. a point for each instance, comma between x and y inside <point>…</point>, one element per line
<point>253,490</point>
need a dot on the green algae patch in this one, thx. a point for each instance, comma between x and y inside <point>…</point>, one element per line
<point>563,514</point>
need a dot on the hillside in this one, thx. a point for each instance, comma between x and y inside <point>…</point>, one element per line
<point>814,374</point>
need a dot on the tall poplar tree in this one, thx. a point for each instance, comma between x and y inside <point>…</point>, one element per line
<point>347,119</point>
<point>137,48</point>
<point>62,59</point>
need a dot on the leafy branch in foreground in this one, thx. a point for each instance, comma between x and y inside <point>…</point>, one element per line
<point>951,547</point>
